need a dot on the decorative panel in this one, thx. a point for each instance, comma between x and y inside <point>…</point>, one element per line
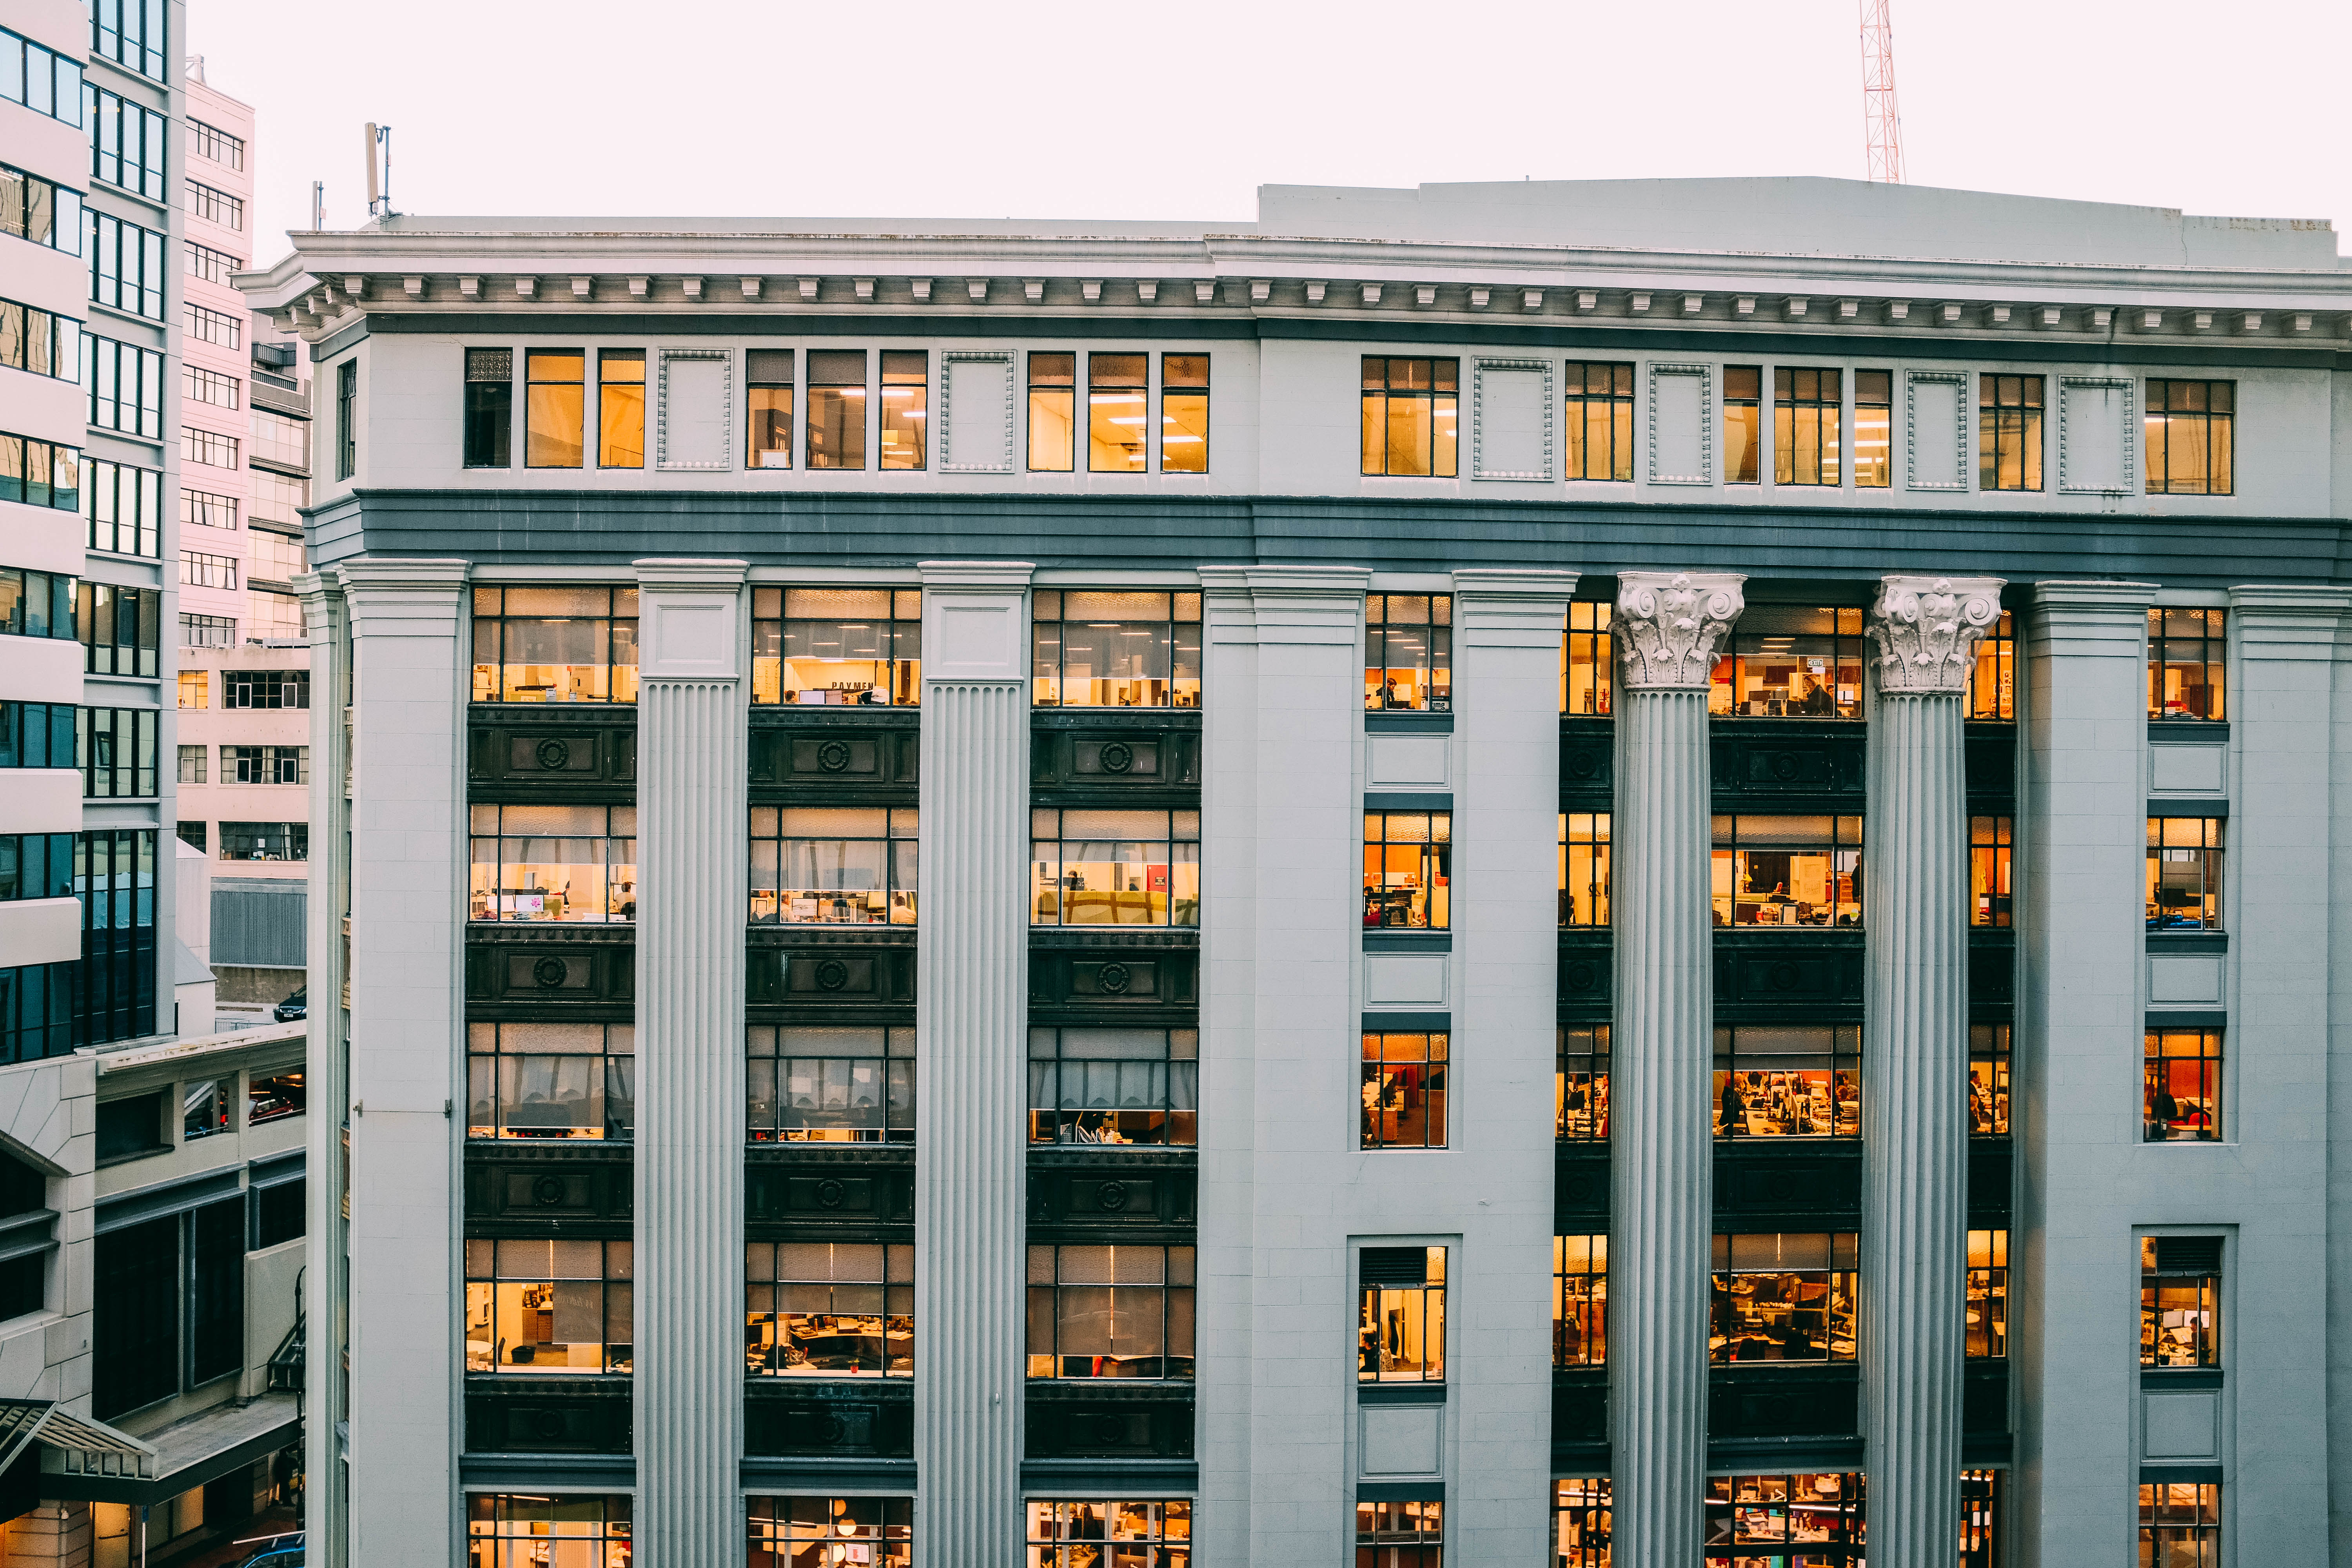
<point>1588,763</point>
<point>1774,760</point>
<point>836,973</point>
<point>1937,421</point>
<point>1763,976</point>
<point>1103,1419</point>
<point>1580,1408</point>
<point>975,413</point>
<point>1990,750</point>
<point>551,757</point>
<point>1984,1397</point>
<point>821,1188</point>
<point>544,1415</point>
<point>2191,770</point>
<point>569,1187</point>
<point>1990,1164</point>
<point>2097,435</point>
<point>1587,976</point>
<point>1398,1441</point>
<point>1781,1184</point>
<point>1075,985</point>
<point>848,756</point>
<point>551,968</point>
<point>1089,1195</point>
<point>1764,1401</point>
<point>1115,764</point>
<point>697,419</point>
<point>1511,419</point>
<point>1992,973</point>
<point>1682,424</point>
<point>872,1418</point>
<point>1580,1188</point>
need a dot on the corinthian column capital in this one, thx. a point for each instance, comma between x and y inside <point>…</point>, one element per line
<point>1927,630</point>
<point>1668,626</point>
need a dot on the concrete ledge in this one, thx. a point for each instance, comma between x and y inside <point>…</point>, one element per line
<point>41,930</point>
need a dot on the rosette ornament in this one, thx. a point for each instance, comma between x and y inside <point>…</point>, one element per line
<point>1669,624</point>
<point>1926,629</point>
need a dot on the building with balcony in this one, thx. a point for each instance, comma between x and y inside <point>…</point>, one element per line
<point>1496,874</point>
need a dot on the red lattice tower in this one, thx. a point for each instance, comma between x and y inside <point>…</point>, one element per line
<point>1881,125</point>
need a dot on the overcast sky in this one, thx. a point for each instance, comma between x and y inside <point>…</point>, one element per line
<point>1181,110</point>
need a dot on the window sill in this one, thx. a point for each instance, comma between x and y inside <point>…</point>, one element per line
<point>1382,941</point>
<point>2179,1377</point>
<point>1400,1393</point>
<point>2188,732</point>
<point>2179,941</point>
<point>1386,722</point>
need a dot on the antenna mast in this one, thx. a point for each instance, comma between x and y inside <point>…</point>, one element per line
<point>1881,125</point>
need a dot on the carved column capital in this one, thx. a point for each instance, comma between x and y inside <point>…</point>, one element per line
<point>1669,624</point>
<point>1926,629</point>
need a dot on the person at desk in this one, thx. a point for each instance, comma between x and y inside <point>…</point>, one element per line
<point>2163,1111</point>
<point>1734,1108</point>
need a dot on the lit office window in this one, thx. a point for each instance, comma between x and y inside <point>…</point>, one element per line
<point>1788,1081</point>
<point>1600,421</point>
<point>1401,1316</point>
<point>554,408</point>
<point>836,408</point>
<point>1402,1534</point>
<point>1743,434</point>
<point>821,1532</point>
<point>1583,868</point>
<point>1115,867</point>
<point>1403,1092</point>
<point>1052,412</point>
<point>568,1529</point>
<point>1992,679</point>
<point>1585,676</point>
<point>2184,873</point>
<point>1873,422</point>
<point>1579,1302</point>
<point>1989,1080</point>
<point>2009,431</point>
<point>1114,1086</point>
<point>1408,875</point>
<point>1989,852</point>
<point>836,647</point>
<point>833,864</point>
<point>566,863</point>
<point>2182,1086</point>
<point>1115,650</point>
<point>1120,1312</point>
<point>1786,1296</point>
<point>2180,1524</point>
<point>555,644</point>
<point>906,406</point>
<point>2191,429</point>
<point>829,1085</point>
<point>551,1080</point>
<point>542,1306</point>
<point>1116,430</point>
<point>1581,1084</point>
<point>1183,413</point>
<point>1581,1515</point>
<point>768,396</point>
<point>829,1309</point>
<point>1409,416</point>
<point>1409,652</point>
<point>1807,406</point>
<point>1788,870</point>
<point>2188,662</point>
<point>2179,1301</point>
<point>1789,662</point>
<point>1809,1520</point>
<point>620,409</point>
<point>1063,1534</point>
<point>1987,1286</point>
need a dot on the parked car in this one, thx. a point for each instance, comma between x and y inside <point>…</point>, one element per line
<point>279,1550</point>
<point>295,1007</point>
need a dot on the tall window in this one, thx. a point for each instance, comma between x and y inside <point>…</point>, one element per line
<point>212,266</point>
<point>44,343</point>
<point>1114,1086</point>
<point>1580,1300</point>
<point>1401,1314</point>
<point>1583,868</point>
<point>2181,1523</point>
<point>836,408</point>
<point>906,407</point>
<point>126,146</point>
<point>1052,412</point>
<point>2009,431</point>
<point>555,644</point>
<point>1581,1084</point>
<point>554,407</point>
<point>209,326</point>
<point>514,1531</point>
<point>2179,1301</point>
<point>1988,1288</point>
<point>1582,1515</point>
<point>1989,1080</point>
<point>2182,1084</point>
<point>207,448</point>
<point>126,266</point>
<point>1600,421</point>
<point>1410,424</point>
<point>2191,428</point>
<point>768,396</point>
<point>538,1307</point>
<point>833,864</point>
<point>215,207</point>
<point>551,1080</point>
<point>1409,652</point>
<point>1115,650</point>
<point>829,1309</point>
<point>347,419</point>
<point>1065,1534</point>
<point>1788,1081</point>
<point>118,627</point>
<point>829,647</point>
<point>1788,662</point>
<point>124,509</point>
<point>873,1532</point>
<point>620,409</point>
<point>570,863</point>
<point>1743,433</point>
<point>210,141</point>
<point>835,1085</point>
<point>1116,426</point>
<point>2188,662</point>
<point>42,81</point>
<point>1873,424</point>
<point>1784,1296</point>
<point>44,474</point>
<point>40,735</point>
<point>1408,857</point>
<point>199,570</point>
<point>1110,1311</point>
<point>1183,413</point>
<point>1988,871</point>
<point>1807,406</point>
<point>199,385</point>
<point>1992,679</point>
<point>2184,873</point>
<point>34,209</point>
<point>1404,1534</point>
<point>1801,1519</point>
<point>1405,1091</point>
<point>168,1297</point>
<point>1788,870</point>
<point>1114,867</point>
<point>490,407</point>
<point>1585,676</point>
<point>117,748</point>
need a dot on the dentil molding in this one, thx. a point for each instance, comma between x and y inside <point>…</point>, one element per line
<point>1927,630</point>
<point>1668,626</point>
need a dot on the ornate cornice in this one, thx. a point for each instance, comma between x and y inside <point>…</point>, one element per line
<point>1669,624</point>
<point>1926,629</point>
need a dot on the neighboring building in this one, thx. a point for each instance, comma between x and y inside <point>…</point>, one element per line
<point>244,677</point>
<point>103,932</point>
<point>1182,943</point>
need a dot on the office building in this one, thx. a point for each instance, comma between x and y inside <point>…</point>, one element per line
<point>989,887</point>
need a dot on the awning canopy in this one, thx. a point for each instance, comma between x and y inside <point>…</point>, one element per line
<point>82,1447</point>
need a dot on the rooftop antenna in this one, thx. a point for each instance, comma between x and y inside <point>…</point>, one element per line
<point>379,170</point>
<point>1881,125</point>
<point>317,206</point>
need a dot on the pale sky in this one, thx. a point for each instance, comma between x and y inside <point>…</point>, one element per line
<point>1180,110</point>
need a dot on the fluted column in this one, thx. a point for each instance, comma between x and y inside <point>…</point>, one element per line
<point>1924,632</point>
<point>971,973</point>
<point>410,667</point>
<point>1667,629</point>
<point>693,866</point>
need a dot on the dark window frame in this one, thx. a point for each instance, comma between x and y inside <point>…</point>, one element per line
<point>1173,619</point>
<point>1874,394</point>
<point>1055,1307</point>
<point>1809,416</point>
<point>827,1059</point>
<point>2203,633</point>
<point>1840,1270</point>
<point>1843,1055</point>
<point>2011,416</point>
<point>1581,1084</point>
<point>2167,1116</point>
<point>1599,401</point>
<point>894,617</point>
<point>1407,1067</point>
<point>1409,635</point>
<point>1580,1298</point>
<point>502,1074</point>
<point>1190,430</point>
<point>2199,416</point>
<point>1164,1113</point>
<point>860,1328</point>
<point>2200,841</point>
<point>495,624</point>
<point>1437,433</point>
<point>1587,674</point>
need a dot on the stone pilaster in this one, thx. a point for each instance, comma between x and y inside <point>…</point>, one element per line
<point>693,863</point>
<point>326,1283</point>
<point>1924,632</point>
<point>410,651</point>
<point>1507,631</point>
<point>971,982</point>
<point>1668,628</point>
